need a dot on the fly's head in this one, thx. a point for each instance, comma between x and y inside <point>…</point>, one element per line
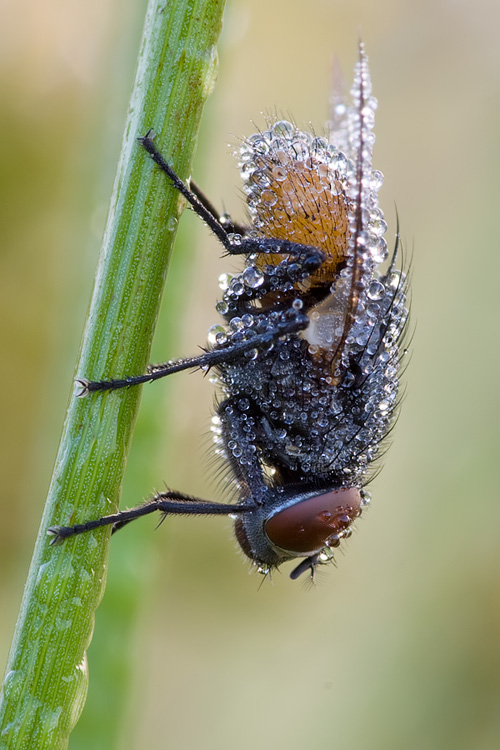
<point>295,522</point>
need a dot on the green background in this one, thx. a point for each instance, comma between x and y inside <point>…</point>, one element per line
<point>398,646</point>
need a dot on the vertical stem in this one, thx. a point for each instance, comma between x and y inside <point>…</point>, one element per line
<point>46,680</point>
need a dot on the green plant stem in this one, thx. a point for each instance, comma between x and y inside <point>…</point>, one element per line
<point>46,680</point>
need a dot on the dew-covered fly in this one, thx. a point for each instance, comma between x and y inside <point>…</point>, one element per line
<point>307,358</point>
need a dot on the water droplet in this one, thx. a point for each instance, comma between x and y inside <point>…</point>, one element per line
<point>377,179</point>
<point>236,324</point>
<point>236,286</point>
<point>252,354</point>
<point>252,277</point>
<point>379,251</point>
<point>279,173</point>
<point>216,335</point>
<point>319,145</point>
<point>258,144</point>
<point>235,238</point>
<point>301,150</point>
<point>379,227</point>
<point>268,197</point>
<point>376,290</point>
<point>283,129</point>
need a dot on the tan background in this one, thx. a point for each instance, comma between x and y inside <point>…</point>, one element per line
<point>398,647</point>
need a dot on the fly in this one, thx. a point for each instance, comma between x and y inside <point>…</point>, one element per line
<point>307,359</point>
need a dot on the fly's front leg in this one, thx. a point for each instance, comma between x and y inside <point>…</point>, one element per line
<point>167,503</point>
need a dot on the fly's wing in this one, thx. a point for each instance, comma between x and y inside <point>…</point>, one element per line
<point>352,130</point>
<point>312,191</point>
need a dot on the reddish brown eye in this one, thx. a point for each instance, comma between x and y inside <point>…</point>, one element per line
<point>315,522</point>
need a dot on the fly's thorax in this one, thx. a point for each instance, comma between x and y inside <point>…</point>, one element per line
<point>296,191</point>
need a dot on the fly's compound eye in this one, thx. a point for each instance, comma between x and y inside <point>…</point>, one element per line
<point>317,522</point>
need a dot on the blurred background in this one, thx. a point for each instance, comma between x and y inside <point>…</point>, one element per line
<point>398,646</point>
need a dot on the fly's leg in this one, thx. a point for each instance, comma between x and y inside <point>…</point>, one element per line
<point>236,243</point>
<point>304,260</point>
<point>308,565</point>
<point>205,361</point>
<point>167,503</point>
<point>239,427</point>
<point>235,427</point>
<point>224,219</point>
<point>254,283</point>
